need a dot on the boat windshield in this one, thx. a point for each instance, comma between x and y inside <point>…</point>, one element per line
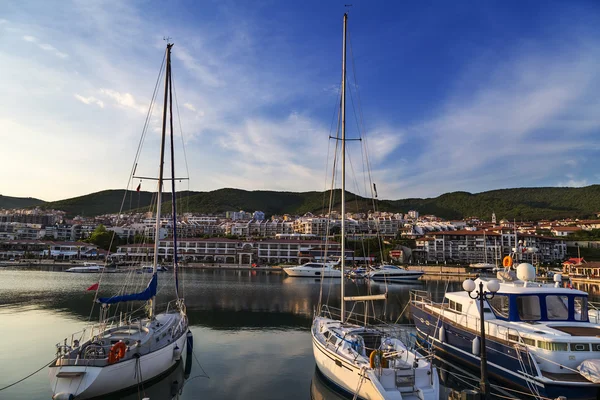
<point>390,267</point>
<point>557,307</point>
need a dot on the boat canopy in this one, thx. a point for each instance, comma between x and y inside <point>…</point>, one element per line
<point>147,294</point>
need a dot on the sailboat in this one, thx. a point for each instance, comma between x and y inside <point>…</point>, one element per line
<point>367,361</point>
<point>123,351</point>
<point>483,265</point>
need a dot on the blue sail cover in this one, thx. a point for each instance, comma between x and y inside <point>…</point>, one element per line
<point>147,294</point>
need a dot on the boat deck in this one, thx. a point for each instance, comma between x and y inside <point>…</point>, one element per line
<point>564,377</point>
<point>578,330</point>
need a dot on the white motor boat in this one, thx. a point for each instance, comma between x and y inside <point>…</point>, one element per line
<point>314,270</point>
<point>393,273</point>
<point>128,349</point>
<point>87,268</point>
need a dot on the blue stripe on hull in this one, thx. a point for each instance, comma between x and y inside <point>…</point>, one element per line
<point>503,364</point>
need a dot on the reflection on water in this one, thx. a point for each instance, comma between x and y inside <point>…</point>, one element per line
<point>251,328</point>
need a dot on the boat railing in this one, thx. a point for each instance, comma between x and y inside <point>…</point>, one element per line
<point>404,332</point>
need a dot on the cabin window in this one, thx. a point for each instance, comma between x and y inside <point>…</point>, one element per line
<point>552,346</point>
<point>528,341</point>
<point>332,339</point>
<point>500,305</point>
<point>455,306</point>
<point>557,307</point>
<point>581,309</point>
<point>529,308</point>
<point>580,347</point>
<point>595,346</point>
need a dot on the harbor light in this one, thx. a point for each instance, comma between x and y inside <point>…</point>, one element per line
<point>491,288</point>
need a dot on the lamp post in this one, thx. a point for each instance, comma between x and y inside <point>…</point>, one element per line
<point>492,287</point>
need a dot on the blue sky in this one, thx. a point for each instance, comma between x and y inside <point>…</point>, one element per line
<point>455,96</point>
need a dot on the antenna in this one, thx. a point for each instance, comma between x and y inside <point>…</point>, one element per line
<point>167,39</point>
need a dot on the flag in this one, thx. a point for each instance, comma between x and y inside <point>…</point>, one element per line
<point>139,187</point>
<point>94,286</point>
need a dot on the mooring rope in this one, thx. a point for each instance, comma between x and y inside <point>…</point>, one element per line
<point>28,376</point>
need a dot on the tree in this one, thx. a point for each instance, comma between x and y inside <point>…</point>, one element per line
<point>103,238</point>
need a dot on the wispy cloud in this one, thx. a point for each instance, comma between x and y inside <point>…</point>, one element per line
<point>125,100</point>
<point>45,46</point>
<point>89,100</point>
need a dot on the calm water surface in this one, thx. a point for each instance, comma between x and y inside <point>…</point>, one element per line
<point>251,330</point>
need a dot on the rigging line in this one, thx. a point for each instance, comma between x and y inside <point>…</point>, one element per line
<point>336,112</point>
<point>362,132</point>
<point>181,133</point>
<point>133,168</point>
<point>330,208</point>
<point>28,376</point>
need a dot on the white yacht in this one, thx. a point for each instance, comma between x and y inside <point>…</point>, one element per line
<point>393,273</point>
<point>87,267</point>
<point>314,270</point>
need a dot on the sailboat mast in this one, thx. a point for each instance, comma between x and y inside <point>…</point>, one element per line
<point>160,173</point>
<point>343,210</point>
<point>173,196</point>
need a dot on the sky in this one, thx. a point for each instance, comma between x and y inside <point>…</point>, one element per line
<point>447,96</point>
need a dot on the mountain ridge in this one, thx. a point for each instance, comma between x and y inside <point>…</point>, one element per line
<point>513,203</point>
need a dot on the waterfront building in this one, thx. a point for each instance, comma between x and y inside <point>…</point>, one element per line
<point>47,249</point>
<point>232,251</point>
<point>466,247</point>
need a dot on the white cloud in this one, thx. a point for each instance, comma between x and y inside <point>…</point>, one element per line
<point>125,100</point>
<point>89,100</point>
<point>573,183</point>
<point>189,107</point>
<point>45,46</point>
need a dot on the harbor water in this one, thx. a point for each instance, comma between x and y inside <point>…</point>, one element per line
<point>251,329</point>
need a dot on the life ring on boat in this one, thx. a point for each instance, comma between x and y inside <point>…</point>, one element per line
<point>117,351</point>
<point>383,362</point>
<point>507,261</point>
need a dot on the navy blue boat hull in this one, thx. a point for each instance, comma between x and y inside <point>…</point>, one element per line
<point>503,362</point>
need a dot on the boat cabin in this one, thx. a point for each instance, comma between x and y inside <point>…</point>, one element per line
<point>530,302</point>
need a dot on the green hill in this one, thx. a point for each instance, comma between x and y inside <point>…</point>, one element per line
<point>520,203</point>
<point>18,202</point>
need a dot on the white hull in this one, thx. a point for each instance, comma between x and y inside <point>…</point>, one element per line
<point>313,272</point>
<point>347,373</point>
<point>99,381</point>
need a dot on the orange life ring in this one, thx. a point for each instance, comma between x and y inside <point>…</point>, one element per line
<point>375,354</point>
<point>507,261</point>
<point>117,351</point>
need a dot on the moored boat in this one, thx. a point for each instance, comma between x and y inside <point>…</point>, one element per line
<point>124,351</point>
<point>314,270</point>
<point>87,267</point>
<point>394,273</point>
<point>541,339</point>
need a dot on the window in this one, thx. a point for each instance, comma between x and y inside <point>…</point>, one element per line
<point>581,312</point>
<point>557,307</point>
<point>552,346</point>
<point>529,308</point>
<point>500,305</point>
<point>455,306</point>
<point>528,341</point>
<point>580,347</point>
<point>595,346</point>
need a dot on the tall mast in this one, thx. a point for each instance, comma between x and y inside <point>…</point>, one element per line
<point>173,197</point>
<point>160,173</point>
<point>343,231</point>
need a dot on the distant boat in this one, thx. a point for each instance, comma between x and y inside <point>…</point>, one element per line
<point>313,269</point>
<point>87,267</point>
<point>125,351</point>
<point>394,273</point>
<point>482,266</point>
